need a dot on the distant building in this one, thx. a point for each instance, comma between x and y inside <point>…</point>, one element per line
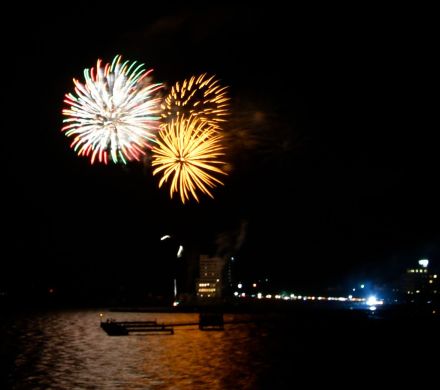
<point>209,285</point>
<point>419,285</point>
<point>229,275</point>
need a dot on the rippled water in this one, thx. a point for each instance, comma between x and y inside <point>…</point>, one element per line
<point>69,350</point>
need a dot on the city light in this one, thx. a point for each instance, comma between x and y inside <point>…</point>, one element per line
<point>424,263</point>
<point>372,301</point>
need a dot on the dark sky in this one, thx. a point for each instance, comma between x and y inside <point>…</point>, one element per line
<point>334,162</point>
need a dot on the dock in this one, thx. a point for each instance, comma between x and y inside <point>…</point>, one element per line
<point>124,328</point>
<point>207,321</point>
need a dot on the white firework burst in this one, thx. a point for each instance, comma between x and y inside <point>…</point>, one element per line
<point>115,113</point>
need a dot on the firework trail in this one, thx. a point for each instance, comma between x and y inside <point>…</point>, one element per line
<point>201,97</point>
<point>114,114</point>
<point>187,153</point>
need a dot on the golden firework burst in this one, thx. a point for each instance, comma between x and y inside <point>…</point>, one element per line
<point>187,153</point>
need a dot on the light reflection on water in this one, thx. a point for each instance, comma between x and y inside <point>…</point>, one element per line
<point>68,350</point>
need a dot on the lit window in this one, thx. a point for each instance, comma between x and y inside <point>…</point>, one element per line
<point>206,289</point>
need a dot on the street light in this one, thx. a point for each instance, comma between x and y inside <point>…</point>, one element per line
<point>178,256</point>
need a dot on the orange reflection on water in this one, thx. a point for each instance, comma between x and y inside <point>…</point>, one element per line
<point>69,350</point>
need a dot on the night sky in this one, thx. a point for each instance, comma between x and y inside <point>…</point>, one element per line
<point>333,145</point>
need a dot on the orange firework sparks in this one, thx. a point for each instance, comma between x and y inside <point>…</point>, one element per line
<point>201,97</point>
<point>187,153</point>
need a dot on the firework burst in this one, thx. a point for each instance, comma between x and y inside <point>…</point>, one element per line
<point>201,97</point>
<point>187,153</point>
<point>114,114</point>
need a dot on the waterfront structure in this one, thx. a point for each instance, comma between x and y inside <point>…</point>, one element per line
<point>209,285</point>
